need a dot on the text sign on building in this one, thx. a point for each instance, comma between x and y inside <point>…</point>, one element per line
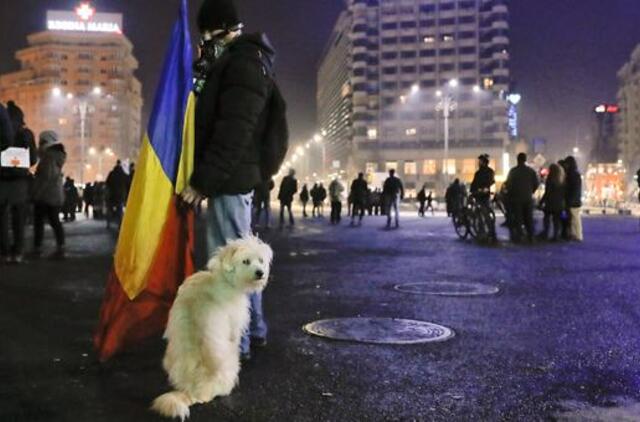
<point>84,19</point>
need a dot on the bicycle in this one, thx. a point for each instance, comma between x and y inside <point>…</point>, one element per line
<point>475,218</point>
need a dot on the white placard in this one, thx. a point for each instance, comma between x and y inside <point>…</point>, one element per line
<point>15,158</point>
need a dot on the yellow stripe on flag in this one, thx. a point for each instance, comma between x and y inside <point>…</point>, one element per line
<point>143,222</point>
<point>185,168</point>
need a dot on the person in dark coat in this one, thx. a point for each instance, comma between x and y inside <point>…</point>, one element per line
<point>573,198</point>
<point>47,192</point>
<point>262,201</point>
<point>553,202</point>
<point>522,182</point>
<point>88,197</point>
<point>234,83</point>
<point>315,198</point>
<point>14,189</point>
<point>288,188</point>
<point>393,193</point>
<point>483,180</point>
<point>359,193</point>
<point>70,200</point>
<point>117,185</point>
<point>376,201</point>
<point>422,200</point>
<point>304,199</point>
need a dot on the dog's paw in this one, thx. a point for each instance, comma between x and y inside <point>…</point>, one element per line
<point>172,405</point>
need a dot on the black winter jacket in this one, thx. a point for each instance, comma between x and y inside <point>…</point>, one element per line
<point>573,189</point>
<point>231,117</point>
<point>393,187</point>
<point>288,188</point>
<point>359,191</point>
<point>522,183</point>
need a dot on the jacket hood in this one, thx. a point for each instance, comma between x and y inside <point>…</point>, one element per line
<point>261,41</point>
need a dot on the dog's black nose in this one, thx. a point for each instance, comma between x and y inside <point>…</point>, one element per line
<point>259,273</point>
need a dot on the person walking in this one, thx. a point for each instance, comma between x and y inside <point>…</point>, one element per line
<point>288,188</point>
<point>315,199</point>
<point>430,203</point>
<point>553,202</point>
<point>237,100</point>
<point>393,193</point>
<point>522,182</point>
<point>262,200</point>
<point>48,194</point>
<point>117,187</point>
<point>573,198</point>
<point>335,197</point>
<point>359,193</point>
<point>376,201</point>
<point>422,200</point>
<point>14,186</point>
<point>304,200</point>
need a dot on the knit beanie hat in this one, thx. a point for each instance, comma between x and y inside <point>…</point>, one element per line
<point>49,138</point>
<point>217,14</point>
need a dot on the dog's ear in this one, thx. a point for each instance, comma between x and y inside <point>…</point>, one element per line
<point>225,258</point>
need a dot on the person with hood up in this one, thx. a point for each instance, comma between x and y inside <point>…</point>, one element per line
<point>48,193</point>
<point>234,82</point>
<point>573,197</point>
<point>117,189</point>
<point>288,188</point>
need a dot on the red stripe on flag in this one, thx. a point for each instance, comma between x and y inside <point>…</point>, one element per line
<point>123,322</point>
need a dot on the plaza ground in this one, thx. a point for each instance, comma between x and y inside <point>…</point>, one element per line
<point>560,341</point>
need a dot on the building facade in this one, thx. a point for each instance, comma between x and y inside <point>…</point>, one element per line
<point>403,57</point>
<point>628,122</point>
<point>77,78</point>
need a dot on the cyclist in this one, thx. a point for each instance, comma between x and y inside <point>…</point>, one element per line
<point>483,180</point>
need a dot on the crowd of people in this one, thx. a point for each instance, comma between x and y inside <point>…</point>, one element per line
<point>39,193</point>
<point>561,201</point>
<point>361,200</point>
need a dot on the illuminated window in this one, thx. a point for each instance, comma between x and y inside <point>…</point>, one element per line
<point>429,167</point>
<point>487,83</point>
<point>447,38</point>
<point>410,168</point>
<point>62,121</point>
<point>449,166</point>
<point>372,133</point>
<point>429,40</point>
<point>468,166</point>
<point>391,165</point>
<point>371,167</point>
<point>411,131</point>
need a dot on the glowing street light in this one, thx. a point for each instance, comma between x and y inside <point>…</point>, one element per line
<point>69,96</point>
<point>97,90</point>
<point>57,92</point>
<point>477,89</point>
<point>415,88</point>
<point>92,151</point>
<point>453,83</point>
<point>438,93</point>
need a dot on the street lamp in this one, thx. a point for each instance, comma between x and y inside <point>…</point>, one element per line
<point>446,105</point>
<point>84,107</point>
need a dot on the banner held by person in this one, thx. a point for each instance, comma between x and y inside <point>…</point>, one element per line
<point>154,253</point>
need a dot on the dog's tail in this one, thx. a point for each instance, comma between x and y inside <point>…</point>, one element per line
<point>173,405</point>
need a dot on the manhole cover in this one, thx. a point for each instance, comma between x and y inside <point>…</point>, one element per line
<point>447,288</point>
<point>379,330</point>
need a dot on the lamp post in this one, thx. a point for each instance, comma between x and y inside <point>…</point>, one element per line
<point>446,104</point>
<point>83,108</point>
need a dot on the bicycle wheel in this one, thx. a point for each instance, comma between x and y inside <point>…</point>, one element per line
<point>480,226</point>
<point>460,225</point>
<point>471,224</point>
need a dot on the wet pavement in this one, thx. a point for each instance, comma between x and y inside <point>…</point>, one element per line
<point>559,341</point>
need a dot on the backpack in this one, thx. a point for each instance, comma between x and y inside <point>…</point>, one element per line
<point>275,142</point>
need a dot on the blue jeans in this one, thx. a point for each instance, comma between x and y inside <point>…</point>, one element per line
<point>229,218</point>
<point>394,205</point>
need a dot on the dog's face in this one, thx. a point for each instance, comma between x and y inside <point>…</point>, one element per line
<point>246,263</point>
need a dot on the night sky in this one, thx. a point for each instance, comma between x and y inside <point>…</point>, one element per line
<point>565,52</point>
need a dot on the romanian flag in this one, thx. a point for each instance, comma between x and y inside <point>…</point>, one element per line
<point>154,253</point>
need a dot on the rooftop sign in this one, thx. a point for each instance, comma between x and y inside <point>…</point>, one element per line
<point>84,19</point>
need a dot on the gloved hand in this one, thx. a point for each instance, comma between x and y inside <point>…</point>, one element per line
<point>191,197</point>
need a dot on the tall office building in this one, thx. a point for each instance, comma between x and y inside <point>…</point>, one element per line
<point>399,58</point>
<point>628,122</point>
<point>77,78</point>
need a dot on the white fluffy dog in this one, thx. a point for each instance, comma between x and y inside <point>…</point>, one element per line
<point>206,322</point>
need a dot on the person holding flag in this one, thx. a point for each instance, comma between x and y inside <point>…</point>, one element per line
<point>241,134</point>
